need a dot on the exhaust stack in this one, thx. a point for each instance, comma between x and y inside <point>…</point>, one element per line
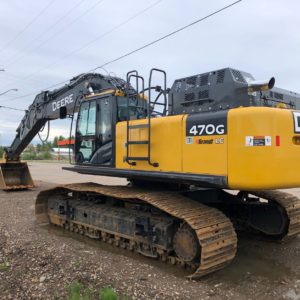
<point>256,86</point>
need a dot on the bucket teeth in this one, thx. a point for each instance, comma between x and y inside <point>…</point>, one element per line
<point>15,176</point>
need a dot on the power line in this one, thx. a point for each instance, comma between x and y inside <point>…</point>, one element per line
<point>3,93</point>
<point>169,34</point>
<point>45,31</point>
<point>12,108</point>
<point>92,41</point>
<point>55,34</point>
<point>16,78</point>
<point>138,49</point>
<point>27,26</point>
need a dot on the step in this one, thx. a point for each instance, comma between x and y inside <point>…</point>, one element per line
<point>138,142</point>
<point>158,103</point>
<point>138,158</point>
<point>137,106</point>
<point>138,126</point>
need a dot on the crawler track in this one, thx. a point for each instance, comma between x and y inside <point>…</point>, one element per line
<point>214,231</point>
<point>291,206</point>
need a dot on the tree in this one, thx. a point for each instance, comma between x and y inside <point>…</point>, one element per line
<point>38,148</point>
<point>30,148</point>
<point>45,147</point>
<point>56,139</point>
<point>29,153</point>
<point>1,151</point>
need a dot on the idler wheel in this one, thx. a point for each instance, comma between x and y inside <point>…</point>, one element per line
<point>186,244</point>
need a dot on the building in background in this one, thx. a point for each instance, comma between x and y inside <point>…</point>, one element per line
<point>64,149</point>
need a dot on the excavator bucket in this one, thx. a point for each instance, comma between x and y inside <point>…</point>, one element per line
<point>15,176</point>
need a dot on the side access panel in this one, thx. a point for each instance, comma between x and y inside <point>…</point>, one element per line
<point>185,143</point>
<point>263,148</point>
<point>166,144</point>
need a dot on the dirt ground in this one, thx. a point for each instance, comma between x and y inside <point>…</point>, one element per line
<point>40,262</point>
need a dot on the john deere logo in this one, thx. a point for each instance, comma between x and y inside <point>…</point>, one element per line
<point>62,102</point>
<point>296,115</point>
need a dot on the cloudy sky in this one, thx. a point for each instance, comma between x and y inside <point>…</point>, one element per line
<point>44,42</point>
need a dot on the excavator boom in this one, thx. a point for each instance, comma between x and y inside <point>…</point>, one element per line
<point>48,105</point>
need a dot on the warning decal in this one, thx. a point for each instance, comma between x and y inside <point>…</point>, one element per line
<point>258,141</point>
<point>189,140</point>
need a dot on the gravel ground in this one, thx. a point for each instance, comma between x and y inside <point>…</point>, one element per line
<point>40,262</point>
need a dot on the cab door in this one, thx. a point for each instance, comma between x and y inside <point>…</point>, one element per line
<point>94,144</point>
<point>105,132</point>
<point>86,135</point>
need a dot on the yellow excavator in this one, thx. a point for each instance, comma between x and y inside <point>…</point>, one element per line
<point>182,150</point>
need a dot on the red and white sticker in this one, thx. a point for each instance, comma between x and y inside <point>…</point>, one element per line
<point>258,141</point>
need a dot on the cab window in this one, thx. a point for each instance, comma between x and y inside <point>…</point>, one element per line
<point>85,144</point>
<point>137,109</point>
<point>105,120</point>
<point>87,119</point>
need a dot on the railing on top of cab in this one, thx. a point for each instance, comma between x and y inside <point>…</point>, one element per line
<point>161,91</point>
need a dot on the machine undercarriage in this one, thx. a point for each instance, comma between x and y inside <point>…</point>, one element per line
<point>172,226</point>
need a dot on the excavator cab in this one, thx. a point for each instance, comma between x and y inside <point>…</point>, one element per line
<point>15,176</point>
<point>95,128</point>
<point>97,119</point>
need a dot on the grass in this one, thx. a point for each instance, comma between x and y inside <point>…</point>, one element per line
<point>76,291</point>
<point>77,264</point>
<point>4,266</point>
<point>108,294</point>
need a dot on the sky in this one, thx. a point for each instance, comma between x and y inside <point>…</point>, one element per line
<point>44,42</point>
